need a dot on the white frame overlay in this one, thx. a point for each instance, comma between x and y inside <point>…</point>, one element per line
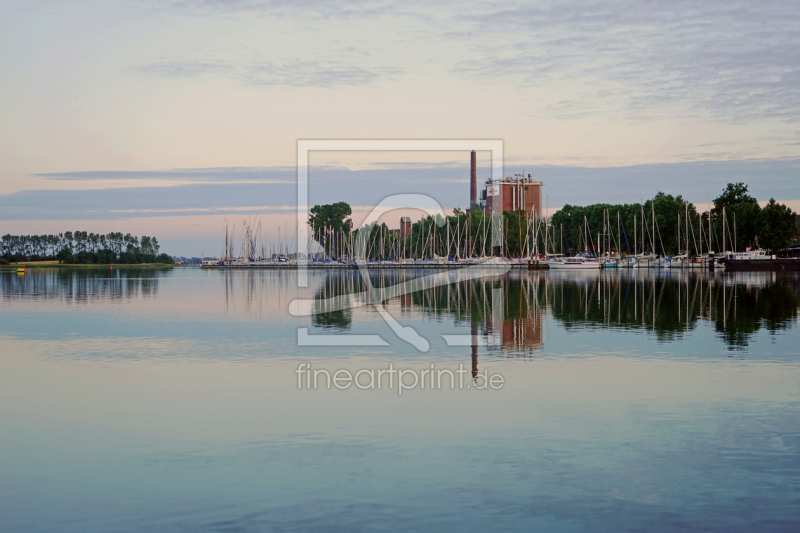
<point>495,146</point>
<point>388,145</point>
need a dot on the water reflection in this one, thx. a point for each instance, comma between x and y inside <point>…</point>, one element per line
<point>506,312</point>
<point>252,294</point>
<point>172,413</point>
<point>79,285</point>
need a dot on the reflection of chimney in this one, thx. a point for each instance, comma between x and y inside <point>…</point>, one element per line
<point>473,180</point>
<point>474,348</point>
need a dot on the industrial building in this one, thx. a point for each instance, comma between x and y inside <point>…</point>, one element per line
<point>405,226</point>
<point>512,194</point>
<point>518,193</point>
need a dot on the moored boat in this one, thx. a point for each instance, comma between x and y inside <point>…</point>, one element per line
<point>575,263</point>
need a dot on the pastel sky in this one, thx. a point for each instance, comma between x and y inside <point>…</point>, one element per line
<point>169,117</point>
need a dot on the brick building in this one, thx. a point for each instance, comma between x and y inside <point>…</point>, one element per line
<point>512,194</point>
<point>405,226</point>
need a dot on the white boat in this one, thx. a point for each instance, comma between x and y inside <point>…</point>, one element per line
<point>678,261</point>
<point>498,262</point>
<point>650,261</point>
<point>638,261</point>
<point>549,259</point>
<point>574,263</point>
<point>747,255</point>
<point>609,262</point>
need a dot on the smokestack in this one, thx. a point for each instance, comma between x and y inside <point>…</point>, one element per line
<point>473,180</point>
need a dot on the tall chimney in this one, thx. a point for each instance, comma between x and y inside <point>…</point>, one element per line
<point>473,180</point>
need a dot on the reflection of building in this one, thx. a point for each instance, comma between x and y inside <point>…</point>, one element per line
<point>512,194</point>
<point>521,334</point>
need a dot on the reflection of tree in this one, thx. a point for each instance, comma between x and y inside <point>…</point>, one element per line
<point>81,285</point>
<point>660,304</point>
<point>336,284</point>
<point>507,311</point>
<point>340,319</point>
<point>670,307</point>
<point>741,311</point>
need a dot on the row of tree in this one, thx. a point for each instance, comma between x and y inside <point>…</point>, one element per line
<point>736,222</point>
<point>81,247</point>
<point>463,234</point>
<point>663,225</point>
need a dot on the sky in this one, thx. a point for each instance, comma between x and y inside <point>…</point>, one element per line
<point>171,118</point>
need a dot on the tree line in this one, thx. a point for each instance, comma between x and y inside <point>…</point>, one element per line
<point>81,247</point>
<point>736,222</point>
<point>663,225</point>
<point>463,234</point>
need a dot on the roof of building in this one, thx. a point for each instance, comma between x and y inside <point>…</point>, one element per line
<point>515,179</point>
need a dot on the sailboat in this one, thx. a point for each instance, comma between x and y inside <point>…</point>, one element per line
<point>583,261</point>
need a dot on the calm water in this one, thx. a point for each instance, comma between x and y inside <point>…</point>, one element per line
<point>143,400</point>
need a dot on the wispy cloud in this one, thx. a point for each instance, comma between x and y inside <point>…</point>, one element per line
<point>185,69</point>
<point>255,174</point>
<point>327,74</point>
<point>577,185</point>
<point>733,60</point>
<point>305,8</point>
<point>312,74</point>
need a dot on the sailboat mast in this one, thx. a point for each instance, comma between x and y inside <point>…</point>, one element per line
<point>653,236</point>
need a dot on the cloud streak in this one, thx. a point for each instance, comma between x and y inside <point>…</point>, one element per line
<point>328,74</point>
<point>282,8</point>
<point>448,185</point>
<point>735,61</point>
<point>260,174</point>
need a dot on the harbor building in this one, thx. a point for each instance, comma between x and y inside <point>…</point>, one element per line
<point>519,193</point>
<point>405,226</point>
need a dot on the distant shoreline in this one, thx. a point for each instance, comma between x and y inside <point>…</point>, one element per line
<point>56,264</point>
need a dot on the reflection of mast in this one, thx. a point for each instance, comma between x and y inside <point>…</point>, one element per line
<point>474,350</point>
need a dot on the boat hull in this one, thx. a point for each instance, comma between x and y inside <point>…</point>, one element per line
<point>573,266</point>
<point>762,265</point>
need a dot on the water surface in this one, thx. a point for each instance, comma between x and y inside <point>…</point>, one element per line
<point>167,400</point>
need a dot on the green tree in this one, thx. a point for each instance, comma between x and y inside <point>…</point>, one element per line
<point>82,247</point>
<point>742,224</point>
<point>515,228</point>
<point>664,237</point>
<point>65,255</point>
<point>733,194</point>
<point>328,222</point>
<point>776,226</point>
<point>741,216</point>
